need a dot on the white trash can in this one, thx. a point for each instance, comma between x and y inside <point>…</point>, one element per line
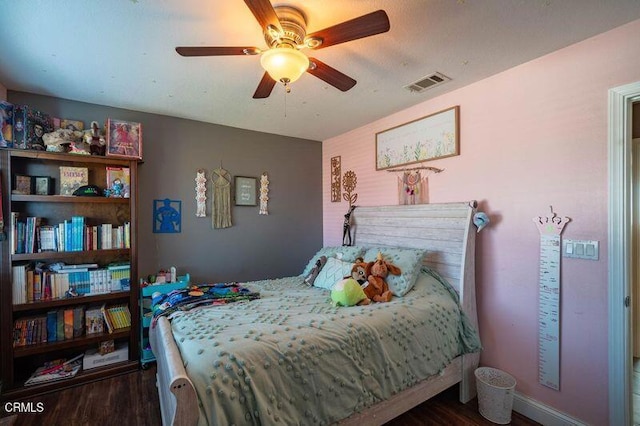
<point>495,394</point>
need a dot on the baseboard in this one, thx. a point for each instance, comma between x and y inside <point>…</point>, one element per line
<point>542,413</point>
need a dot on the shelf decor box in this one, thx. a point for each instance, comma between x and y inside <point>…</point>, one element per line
<point>93,359</point>
<point>28,127</point>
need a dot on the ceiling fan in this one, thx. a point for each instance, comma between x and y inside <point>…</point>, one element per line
<point>285,32</point>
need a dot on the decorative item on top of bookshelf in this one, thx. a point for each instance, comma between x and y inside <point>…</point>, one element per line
<point>6,124</point>
<point>29,125</point>
<point>118,182</point>
<point>43,185</point>
<point>23,184</point>
<point>427,138</point>
<point>96,138</point>
<point>72,178</point>
<point>245,191</point>
<point>124,139</point>
<point>71,124</point>
<point>167,216</point>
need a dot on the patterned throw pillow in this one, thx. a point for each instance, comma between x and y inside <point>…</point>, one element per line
<point>407,259</point>
<point>344,253</point>
<point>332,272</point>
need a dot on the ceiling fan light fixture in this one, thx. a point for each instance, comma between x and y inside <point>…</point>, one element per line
<point>284,64</point>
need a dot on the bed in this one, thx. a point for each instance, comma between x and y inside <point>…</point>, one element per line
<point>291,357</point>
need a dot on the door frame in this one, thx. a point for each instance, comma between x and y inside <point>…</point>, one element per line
<point>619,245</point>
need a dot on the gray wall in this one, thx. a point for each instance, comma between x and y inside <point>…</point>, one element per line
<point>256,246</point>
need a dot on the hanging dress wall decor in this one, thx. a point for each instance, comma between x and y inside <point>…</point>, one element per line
<point>221,209</point>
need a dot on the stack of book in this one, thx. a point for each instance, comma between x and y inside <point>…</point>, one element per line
<point>55,370</point>
<point>116,317</point>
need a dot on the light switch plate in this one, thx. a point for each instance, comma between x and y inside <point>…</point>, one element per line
<point>581,249</point>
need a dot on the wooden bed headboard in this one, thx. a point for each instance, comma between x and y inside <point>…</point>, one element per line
<point>445,230</point>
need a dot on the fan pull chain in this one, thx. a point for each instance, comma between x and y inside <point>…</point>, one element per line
<point>285,99</point>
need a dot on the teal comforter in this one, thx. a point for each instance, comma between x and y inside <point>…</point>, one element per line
<point>292,358</point>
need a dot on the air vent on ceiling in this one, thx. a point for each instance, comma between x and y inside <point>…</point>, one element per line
<point>427,82</point>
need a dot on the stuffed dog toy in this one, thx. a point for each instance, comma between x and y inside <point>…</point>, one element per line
<point>359,271</point>
<point>377,288</point>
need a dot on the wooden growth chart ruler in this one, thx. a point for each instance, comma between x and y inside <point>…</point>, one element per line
<point>550,228</point>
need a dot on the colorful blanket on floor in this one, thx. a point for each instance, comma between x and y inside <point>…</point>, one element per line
<point>203,294</point>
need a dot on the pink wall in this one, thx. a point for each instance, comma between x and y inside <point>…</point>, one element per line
<point>531,137</point>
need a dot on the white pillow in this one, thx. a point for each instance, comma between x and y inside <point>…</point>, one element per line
<point>332,272</point>
<point>344,253</point>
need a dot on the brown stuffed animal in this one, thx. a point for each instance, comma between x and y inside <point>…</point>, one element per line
<point>359,273</point>
<point>377,288</point>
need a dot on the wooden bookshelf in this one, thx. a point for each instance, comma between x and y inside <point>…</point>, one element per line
<point>55,255</point>
<point>80,300</point>
<point>17,363</point>
<point>66,199</point>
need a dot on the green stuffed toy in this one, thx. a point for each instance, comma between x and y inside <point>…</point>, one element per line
<point>348,293</point>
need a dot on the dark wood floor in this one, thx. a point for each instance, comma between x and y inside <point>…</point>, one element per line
<point>132,399</point>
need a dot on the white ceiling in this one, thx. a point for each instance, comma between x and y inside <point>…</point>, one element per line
<point>121,53</point>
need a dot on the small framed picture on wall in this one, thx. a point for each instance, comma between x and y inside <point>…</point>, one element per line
<point>246,191</point>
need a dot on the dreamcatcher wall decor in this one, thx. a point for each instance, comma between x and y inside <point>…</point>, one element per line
<point>413,184</point>
<point>349,182</point>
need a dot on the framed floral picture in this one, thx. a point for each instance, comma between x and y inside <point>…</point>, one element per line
<point>427,138</point>
<point>124,139</point>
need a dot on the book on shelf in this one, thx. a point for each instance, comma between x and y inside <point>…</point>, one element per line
<point>55,370</point>
<point>30,285</point>
<point>78,321</point>
<point>47,238</point>
<point>30,331</point>
<point>116,317</point>
<point>94,321</point>
<point>31,235</point>
<point>123,174</point>
<point>68,324</point>
<point>72,178</point>
<point>57,325</point>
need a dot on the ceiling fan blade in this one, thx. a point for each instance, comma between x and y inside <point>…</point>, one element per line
<point>265,87</point>
<point>217,50</point>
<point>264,13</point>
<point>366,25</point>
<point>330,75</point>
